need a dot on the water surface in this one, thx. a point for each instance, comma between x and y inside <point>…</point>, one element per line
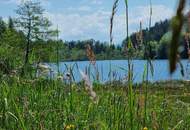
<point>117,70</point>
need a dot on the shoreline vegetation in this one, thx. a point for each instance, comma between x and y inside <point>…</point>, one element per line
<point>28,101</point>
<point>45,49</point>
<point>51,104</point>
<point>109,60</point>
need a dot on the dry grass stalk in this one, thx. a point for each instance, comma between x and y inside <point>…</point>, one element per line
<point>89,87</point>
<point>187,36</point>
<point>111,20</point>
<point>177,27</point>
<point>154,121</point>
<point>189,19</point>
<point>90,54</point>
<point>139,36</point>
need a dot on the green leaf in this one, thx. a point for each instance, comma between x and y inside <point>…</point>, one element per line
<point>144,73</point>
<point>20,118</point>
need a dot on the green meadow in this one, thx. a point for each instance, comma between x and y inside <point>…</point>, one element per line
<point>30,99</point>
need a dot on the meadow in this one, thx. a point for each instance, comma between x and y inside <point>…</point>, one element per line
<point>37,102</point>
<point>51,104</point>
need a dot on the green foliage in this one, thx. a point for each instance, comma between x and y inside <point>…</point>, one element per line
<point>164,46</point>
<point>38,104</point>
<point>2,27</point>
<point>30,19</point>
<point>33,24</point>
<point>11,48</point>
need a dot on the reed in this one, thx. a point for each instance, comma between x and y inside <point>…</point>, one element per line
<point>177,24</point>
<point>114,9</point>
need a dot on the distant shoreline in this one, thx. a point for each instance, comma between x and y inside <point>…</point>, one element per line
<point>106,60</point>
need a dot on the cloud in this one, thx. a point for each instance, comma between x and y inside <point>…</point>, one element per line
<point>93,2</point>
<point>76,26</point>
<point>142,13</point>
<point>81,9</point>
<point>97,2</point>
<point>44,3</point>
<point>137,14</point>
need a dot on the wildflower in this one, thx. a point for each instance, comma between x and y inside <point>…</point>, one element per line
<point>145,128</point>
<point>69,127</point>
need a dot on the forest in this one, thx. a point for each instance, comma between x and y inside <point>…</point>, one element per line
<point>46,49</point>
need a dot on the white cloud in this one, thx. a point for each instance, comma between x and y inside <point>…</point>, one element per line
<point>96,25</point>
<point>43,2</point>
<point>76,26</point>
<point>98,2</point>
<point>140,13</point>
<point>84,8</point>
<point>81,8</point>
<point>93,2</point>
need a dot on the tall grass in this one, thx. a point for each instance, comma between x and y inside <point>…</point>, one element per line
<point>177,24</point>
<point>147,55</point>
<point>130,70</point>
<point>45,104</point>
<point>40,103</point>
<point>57,36</point>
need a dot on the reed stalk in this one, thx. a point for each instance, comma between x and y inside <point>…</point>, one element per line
<point>147,55</point>
<point>177,25</point>
<point>130,69</point>
<point>57,36</point>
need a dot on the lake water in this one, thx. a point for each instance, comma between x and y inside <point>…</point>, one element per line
<point>161,70</point>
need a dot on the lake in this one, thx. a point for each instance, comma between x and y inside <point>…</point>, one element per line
<point>118,69</point>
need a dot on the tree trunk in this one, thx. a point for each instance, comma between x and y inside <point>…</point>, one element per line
<point>27,50</point>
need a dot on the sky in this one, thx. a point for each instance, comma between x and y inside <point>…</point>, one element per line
<point>86,19</point>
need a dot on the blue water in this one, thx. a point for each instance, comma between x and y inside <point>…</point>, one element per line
<point>118,69</point>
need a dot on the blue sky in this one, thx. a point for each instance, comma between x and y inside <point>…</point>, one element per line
<point>85,19</point>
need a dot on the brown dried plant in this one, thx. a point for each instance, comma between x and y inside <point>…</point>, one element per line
<point>90,54</point>
<point>89,87</point>
<point>111,20</point>
<point>187,36</point>
<point>139,36</point>
<point>177,27</point>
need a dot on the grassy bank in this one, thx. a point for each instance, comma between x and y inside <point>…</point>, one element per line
<point>54,105</point>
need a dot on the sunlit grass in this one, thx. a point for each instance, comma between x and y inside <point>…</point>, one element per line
<point>46,105</point>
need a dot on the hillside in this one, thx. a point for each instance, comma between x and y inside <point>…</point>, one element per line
<point>159,39</point>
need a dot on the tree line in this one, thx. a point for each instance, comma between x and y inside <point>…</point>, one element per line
<point>27,39</point>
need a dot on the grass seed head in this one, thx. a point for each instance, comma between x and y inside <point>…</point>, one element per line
<point>90,54</point>
<point>89,87</point>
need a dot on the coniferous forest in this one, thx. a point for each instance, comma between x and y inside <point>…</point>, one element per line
<point>46,49</point>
